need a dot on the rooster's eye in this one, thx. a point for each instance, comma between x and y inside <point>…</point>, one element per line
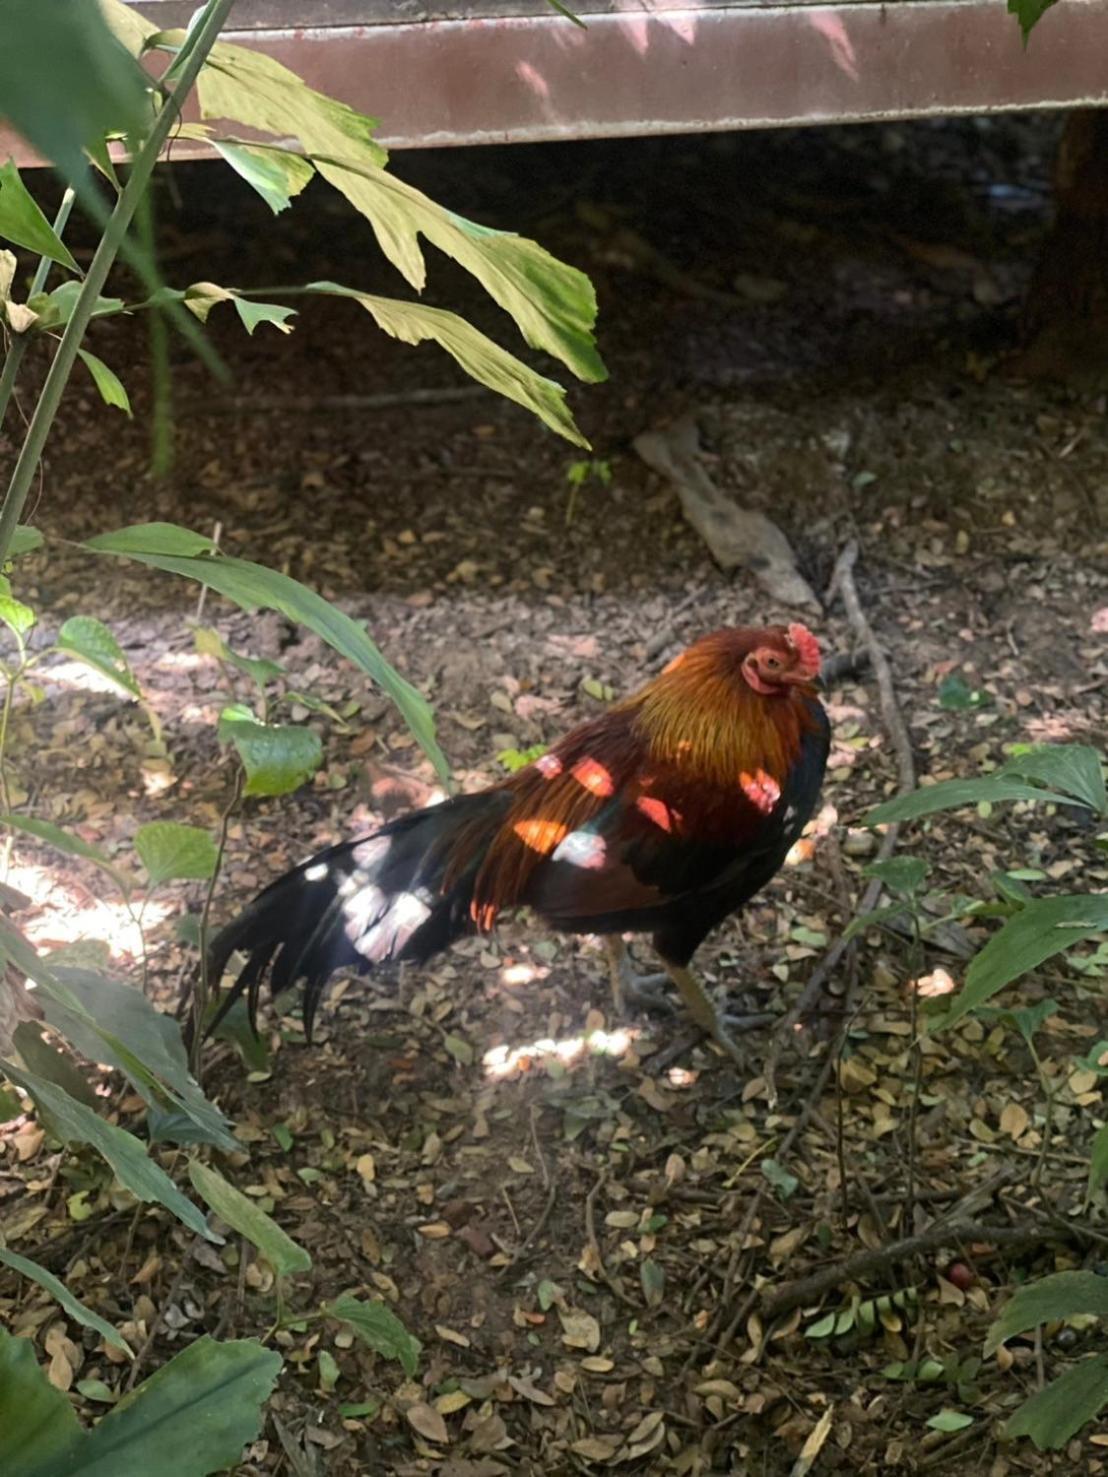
<point>771,663</point>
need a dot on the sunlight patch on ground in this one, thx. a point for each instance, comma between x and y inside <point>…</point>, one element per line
<point>85,679</point>
<point>506,1061</point>
<point>932,986</point>
<point>71,913</point>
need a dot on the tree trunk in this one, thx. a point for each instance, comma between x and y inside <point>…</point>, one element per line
<point>1065,316</point>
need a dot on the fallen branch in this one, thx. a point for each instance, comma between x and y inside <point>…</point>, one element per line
<point>943,1233</point>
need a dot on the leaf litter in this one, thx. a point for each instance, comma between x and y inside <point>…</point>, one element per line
<point>481,1145</point>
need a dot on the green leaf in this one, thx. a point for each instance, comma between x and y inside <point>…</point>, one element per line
<point>252,313</point>
<point>17,617</point>
<point>55,308</point>
<point>329,1371</point>
<point>553,304</point>
<point>10,1105</point>
<point>126,1154</point>
<point>481,358</point>
<point>61,1294</point>
<point>950,1420</point>
<point>259,669</point>
<point>1074,768</point>
<point>956,694</point>
<point>21,221</point>
<point>1052,1415</point>
<point>67,842</point>
<point>653,1278</point>
<point>783,1182</point>
<point>88,639</point>
<point>1029,13</point>
<point>115,1023</point>
<point>378,1326</point>
<point>1061,1295</point>
<point>247,1218</point>
<point>152,539</point>
<point>192,1417</point>
<point>1098,1160</point>
<point>1038,931</point>
<point>25,540</point>
<point>254,587</point>
<point>236,1028</point>
<point>277,757</point>
<point>254,89</point>
<point>172,851</point>
<point>65,81</point>
<point>276,174</point>
<point>56,1066</point>
<point>107,382</point>
<point>954,794</point>
<point>900,874</point>
<point>38,1430</point>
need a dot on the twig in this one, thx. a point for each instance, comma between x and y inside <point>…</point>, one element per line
<point>217,533</point>
<point>544,1215</point>
<point>590,1221</point>
<point>159,1316</point>
<point>311,404</point>
<point>202,993</point>
<point>865,1263</point>
<point>842,583</point>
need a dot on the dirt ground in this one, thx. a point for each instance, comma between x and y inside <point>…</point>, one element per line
<point>582,1240</point>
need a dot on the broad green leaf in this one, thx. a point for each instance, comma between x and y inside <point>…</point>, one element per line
<point>1027,1019</point>
<point>276,174</point>
<point>1029,13</point>
<point>378,1326</point>
<point>10,1105</point>
<point>61,1294</point>
<point>18,618</point>
<point>950,1420</point>
<point>1061,1295</point>
<point>88,639</point>
<point>66,841</point>
<point>21,221</point>
<point>236,1028</point>
<point>38,1430</point>
<point>65,81</point>
<point>247,1218</point>
<point>1074,768</point>
<point>25,540</point>
<point>115,1023</point>
<point>954,794</point>
<point>252,313</point>
<point>481,358</point>
<point>192,1417</point>
<point>171,851</point>
<point>254,89</point>
<point>107,382</point>
<point>1052,1415</point>
<point>126,1154</point>
<point>900,874</point>
<point>277,757</point>
<point>44,1060</point>
<point>254,587</point>
<point>1038,931</point>
<point>153,539</point>
<point>553,304</point>
<point>130,29</point>
<point>955,694</point>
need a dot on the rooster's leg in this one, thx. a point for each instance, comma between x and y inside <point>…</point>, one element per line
<point>641,989</point>
<point>701,1008</point>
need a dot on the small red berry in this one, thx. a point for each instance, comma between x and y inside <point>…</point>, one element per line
<point>960,1275</point>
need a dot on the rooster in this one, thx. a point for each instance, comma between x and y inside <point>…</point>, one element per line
<point>663,815</point>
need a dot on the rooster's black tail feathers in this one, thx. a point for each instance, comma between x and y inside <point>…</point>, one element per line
<point>361,903</point>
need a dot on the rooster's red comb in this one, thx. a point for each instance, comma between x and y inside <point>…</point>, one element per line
<point>806,647</point>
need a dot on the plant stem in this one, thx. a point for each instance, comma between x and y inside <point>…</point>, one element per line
<point>202,990</point>
<point>203,39</point>
<point>5,790</point>
<point>17,347</point>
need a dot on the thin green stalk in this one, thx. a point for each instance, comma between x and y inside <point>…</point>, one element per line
<point>5,789</point>
<point>18,344</point>
<point>202,989</point>
<point>203,38</point>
